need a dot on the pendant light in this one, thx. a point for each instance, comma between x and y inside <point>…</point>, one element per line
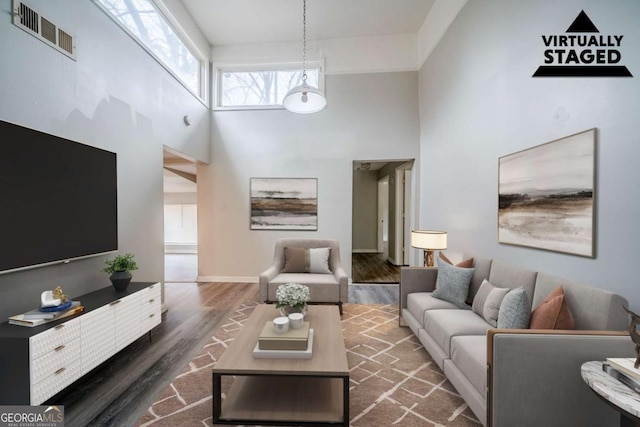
<point>304,99</point>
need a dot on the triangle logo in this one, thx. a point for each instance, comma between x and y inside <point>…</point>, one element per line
<point>582,24</point>
<point>582,51</point>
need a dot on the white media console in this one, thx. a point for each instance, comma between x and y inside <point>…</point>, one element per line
<point>37,363</point>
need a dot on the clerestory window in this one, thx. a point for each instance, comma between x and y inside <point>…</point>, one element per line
<point>255,87</point>
<point>150,28</point>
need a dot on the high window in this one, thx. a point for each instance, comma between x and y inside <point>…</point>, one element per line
<point>252,87</point>
<point>151,29</point>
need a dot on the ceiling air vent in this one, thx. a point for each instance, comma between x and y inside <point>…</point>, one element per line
<point>42,28</point>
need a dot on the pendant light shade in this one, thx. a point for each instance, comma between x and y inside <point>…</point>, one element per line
<point>304,99</point>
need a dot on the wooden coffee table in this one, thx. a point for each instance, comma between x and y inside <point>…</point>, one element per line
<point>285,391</point>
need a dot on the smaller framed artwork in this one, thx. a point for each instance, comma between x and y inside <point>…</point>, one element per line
<point>546,195</point>
<point>284,203</point>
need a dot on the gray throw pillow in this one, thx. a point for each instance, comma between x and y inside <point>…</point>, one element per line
<point>452,284</point>
<point>515,312</point>
<point>488,300</point>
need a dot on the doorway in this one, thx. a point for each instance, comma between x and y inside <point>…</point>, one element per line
<point>378,206</point>
<point>180,217</point>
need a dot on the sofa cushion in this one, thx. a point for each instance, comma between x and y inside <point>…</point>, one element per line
<point>514,311</point>
<point>420,302</point>
<point>306,260</point>
<point>443,325</point>
<point>469,354</point>
<point>553,312</point>
<point>322,287</point>
<point>511,276</point>
<point>452,284</point>
<point>487,302</point>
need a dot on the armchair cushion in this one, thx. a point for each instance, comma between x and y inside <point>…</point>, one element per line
<point>322,287</point>
<point>306,260</point>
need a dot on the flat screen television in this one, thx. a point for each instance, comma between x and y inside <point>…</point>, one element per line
<point>59,199</point>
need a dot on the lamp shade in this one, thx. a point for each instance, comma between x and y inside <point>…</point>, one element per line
<point>304,99</point>
<point>429,239</point>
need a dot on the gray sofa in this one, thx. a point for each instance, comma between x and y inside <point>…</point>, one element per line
<point>519,377</point>
<point>323,288</point>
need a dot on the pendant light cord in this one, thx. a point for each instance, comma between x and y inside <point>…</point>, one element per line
<point>304,41</point>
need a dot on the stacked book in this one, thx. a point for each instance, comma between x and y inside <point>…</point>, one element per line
<point>294,339</point>
<point>623,370</point>
<point>37,317</point>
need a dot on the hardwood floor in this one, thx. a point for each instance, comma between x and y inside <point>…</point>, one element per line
<point>373,268</point>
<point>119,391</point>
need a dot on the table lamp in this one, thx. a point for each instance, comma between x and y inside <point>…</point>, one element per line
<point>429,240</point>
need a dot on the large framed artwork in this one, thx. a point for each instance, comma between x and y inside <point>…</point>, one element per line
<point>546,195</point>
<point>284,203</point>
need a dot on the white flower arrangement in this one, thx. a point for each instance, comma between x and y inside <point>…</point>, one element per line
<point>292,294</point>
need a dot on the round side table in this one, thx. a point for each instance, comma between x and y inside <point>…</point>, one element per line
<point>613,392</point>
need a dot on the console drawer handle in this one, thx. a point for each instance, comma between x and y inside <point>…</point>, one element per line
<point>58,348</point>
<point>116,302</point>
<point>151,300</point>
<point>59,371</point>
<point>151,315</point>
<point>59,326</point>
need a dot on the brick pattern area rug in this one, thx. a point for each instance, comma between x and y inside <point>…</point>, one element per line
<point>394,381</point>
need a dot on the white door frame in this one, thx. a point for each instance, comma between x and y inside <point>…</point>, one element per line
<point>383,215</point>
<point>403,213</point>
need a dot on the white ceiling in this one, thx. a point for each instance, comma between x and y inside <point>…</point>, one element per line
<point>234,22</point>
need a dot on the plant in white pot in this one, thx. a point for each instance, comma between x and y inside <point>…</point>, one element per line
<point>120,269</point>
<point>292,298</point>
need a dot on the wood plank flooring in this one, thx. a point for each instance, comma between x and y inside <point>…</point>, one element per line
<point>373,268</point>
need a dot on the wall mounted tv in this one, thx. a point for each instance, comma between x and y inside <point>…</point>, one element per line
<point>59,199</point>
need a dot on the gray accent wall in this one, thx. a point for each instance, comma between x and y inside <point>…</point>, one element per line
<point>478,102</point>
<point>115,97</point>
<point>365,211</point>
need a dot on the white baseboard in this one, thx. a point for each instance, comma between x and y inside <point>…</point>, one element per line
<point>365,251</point>
<point>392,261</point>
<point>229,279</point>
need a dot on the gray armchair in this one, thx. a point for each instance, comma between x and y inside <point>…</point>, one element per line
<point>323,288</point>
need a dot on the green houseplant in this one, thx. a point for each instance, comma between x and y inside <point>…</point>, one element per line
<point>120,269</point>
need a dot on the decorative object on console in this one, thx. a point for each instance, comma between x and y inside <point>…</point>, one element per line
<point>304,99</point>
<point>292,298</point>
<point>120,268</point>
<point>53,298</point>
<point>633,332</point>
<point>429,240</point>
<point>284,203</point>
<point>546,195</point>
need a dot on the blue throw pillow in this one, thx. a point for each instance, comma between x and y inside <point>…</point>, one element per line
<point>452,284</point>
<point>515,311</point>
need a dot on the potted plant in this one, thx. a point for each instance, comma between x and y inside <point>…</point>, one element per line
<point>292,298</point>
<point>120,269</point>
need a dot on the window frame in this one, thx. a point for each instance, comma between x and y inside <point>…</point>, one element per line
<point>165,14</point>
<point>219,68</point>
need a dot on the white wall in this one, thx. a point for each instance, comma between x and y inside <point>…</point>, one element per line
<point>478,102</point>
<point>368,116</point>
<point>114,97</point>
